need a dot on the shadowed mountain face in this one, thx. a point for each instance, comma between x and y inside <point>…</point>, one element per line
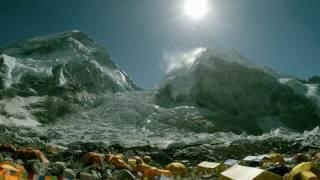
<point>242,95</point>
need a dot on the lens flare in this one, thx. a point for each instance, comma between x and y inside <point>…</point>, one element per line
<point>196,9</point>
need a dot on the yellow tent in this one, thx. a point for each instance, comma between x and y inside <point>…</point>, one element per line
<point>276,158</point>
<point>9,172</point>
<point>303,171</point>
<point>177,169</point>
<point>238,172</point>
<point>208,168</point>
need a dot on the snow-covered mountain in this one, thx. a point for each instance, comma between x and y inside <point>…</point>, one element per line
<point>243,95</point>
<point>56,61</point>
<point>66,87</point>
<point>40,77</point>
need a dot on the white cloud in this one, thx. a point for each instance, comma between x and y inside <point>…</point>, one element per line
<point>181,59</point>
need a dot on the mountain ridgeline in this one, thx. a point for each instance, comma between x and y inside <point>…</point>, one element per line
<point>60,60</point>
<point>51,79</point>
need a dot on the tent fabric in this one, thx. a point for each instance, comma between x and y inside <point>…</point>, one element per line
<point>250,158</point>
<point>303,171</point>
<point>2,175</point>
<point>209,167</point>
<point>9,172</point>
<point>28,153</point>
<point>308,175</point>
<point>276,158</point>
<point>177,169</point>
<point>8,167</point>
<point>238,172</point>
<point>254,161</point>
<point>255,158</point>
<point>231,162</point>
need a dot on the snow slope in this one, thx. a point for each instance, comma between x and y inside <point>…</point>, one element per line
<point>64,58</point>
<point>309,90</point>
<point>313,92</point>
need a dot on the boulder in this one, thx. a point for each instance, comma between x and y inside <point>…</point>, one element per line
<point>69,173</point>
<point>123,174</point>
<point>40,168</point>
<point>87,176</point>
<point>93,158</point>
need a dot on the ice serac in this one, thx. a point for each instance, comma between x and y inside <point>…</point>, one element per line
<point>242,95</point>
<point>62,60</point>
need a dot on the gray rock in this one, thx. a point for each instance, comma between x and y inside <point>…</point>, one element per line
<point>57,168</point>
<point>19,161</point>
<point>8,159</point>
<point>69,173</point>
<point>96,174</point>
<point>30,163</point>
<point>130,153</point>
<point>106,171</point>
<point>40,168</point>
<point>60,165</point>
<point>123,174</point>
<point>88,176</point>
<point>54,171</point>
<point>1,157</point>
<point>208,176</point>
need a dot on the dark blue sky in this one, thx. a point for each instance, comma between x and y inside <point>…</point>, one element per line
<point>282,34</point>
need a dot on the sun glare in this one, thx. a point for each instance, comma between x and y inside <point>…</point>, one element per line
<point>196,9</point>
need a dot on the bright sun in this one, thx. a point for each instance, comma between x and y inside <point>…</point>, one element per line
<point>196,9</point>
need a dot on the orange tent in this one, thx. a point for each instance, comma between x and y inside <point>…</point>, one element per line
<point>10,172</point>
<point>29,153</point>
